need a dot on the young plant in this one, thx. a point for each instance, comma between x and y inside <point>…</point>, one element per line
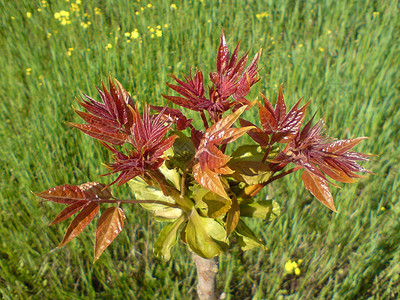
<point>182,172</point>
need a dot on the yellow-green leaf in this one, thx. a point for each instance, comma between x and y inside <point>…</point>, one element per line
<point>167,239</point>
<point>247,239</point>
<point>205,236</point>
<point>264,209</point>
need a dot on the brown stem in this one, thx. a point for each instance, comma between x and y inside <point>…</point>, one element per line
<point>207,270</point>
<point>204,119</point>
<point>273,178</point>
<point>133,201</point>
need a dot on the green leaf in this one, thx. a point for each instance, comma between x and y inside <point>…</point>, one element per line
<point>265,209</point>
<point>216,205</point>
<point>233,216</point>
<point>181,153</point>
<point>251,172</point>
<point>172,175</point>
<point>246,237</point>
<point>209,203</point>
<point>167,239</point>
<point>253,152</point>
<point>205,236</point>
<point>143,191</point>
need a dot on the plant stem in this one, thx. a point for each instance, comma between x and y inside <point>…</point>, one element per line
<point>207,270</point>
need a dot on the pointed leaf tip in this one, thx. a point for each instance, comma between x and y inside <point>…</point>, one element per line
<point>80,222</point>
<point>319,188</point>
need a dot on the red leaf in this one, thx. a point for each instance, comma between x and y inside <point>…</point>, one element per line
<point>64,194</point>
<point>109,227</point>
<point>209,180</point>
<point>222,55</point>
<point>342,146</point>
<point>112,138</point>
<point>217,133</point>
<point>256,133</point>
<point>69,211</point>
<point>106,125</point>
<point>96,191</point>
<point>330,168</point>
<point>211,157</point>
<point>319,188</point>
<point>80,222</point>
<point>280,107</point>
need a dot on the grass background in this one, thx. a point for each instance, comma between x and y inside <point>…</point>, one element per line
<point>343,55</point>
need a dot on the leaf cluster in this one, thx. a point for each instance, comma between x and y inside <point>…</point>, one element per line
<point>184,174</point>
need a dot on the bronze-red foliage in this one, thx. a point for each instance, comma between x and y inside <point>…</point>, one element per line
<point>231,79</point>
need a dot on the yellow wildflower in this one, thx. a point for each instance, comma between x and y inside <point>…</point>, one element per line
<point>173,6</point>
<point>293,267</point>
<point>109,46</point>
<point>149,5</point>
<point>44,3</point>
<point>12,18</point>
<point>39,9</point>
<point>166,25</point>
<point>375,13</point>
<point>64,13</point>
<point>63,17</point>
<point>48,35</point>
<point>262,15</point>
<point>135,34</point>
<point>28,71</point>
<point>97,11</point>
<point>137,13</point>
<point>78,2</point>
<point>152,35</point>
<point>29,14</point>
<point>69,52</point>
<point>158,26</point>
<point>65,22</point>
<point>152,30</point>
<point>158,33</point>
<point>321,49</point>
<point>127,34</point>
<point>85,25</point>
<point>75,7</point>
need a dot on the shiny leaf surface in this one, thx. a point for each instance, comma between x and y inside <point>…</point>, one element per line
<point>319,188</point>
<point>167,239</point>
<point>109,226</point>
<point>64,194</point>
<point>80,222</point>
